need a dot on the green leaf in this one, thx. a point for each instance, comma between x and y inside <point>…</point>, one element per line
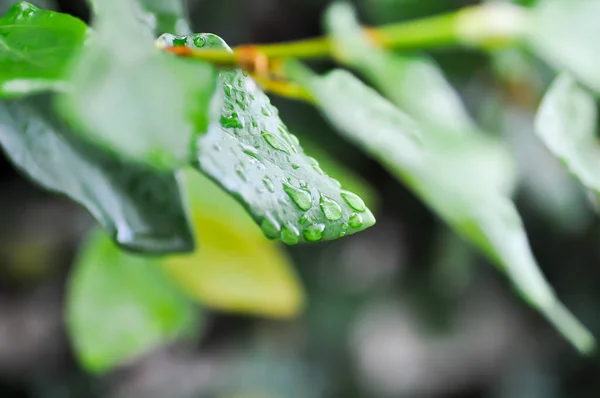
<point>250,152</point>
<point>566,123</point>
<point>121,306</point>
<point>237,269</point>
<point>462,179</point>
<point>566,34</point>
<point>35,48</point>
<point>415,84</point>
<point>134,98</point>
<point>140,208</point>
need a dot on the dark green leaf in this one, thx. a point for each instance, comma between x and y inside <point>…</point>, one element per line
<point>142,209</point>
<point>566,123</point>
<point>249,151</point>
<point>134,98</point>
<point>415,84</point>
<point>120,306</point>
<point>566,34</point>
<point>463,179</point>
<point>35,47</point>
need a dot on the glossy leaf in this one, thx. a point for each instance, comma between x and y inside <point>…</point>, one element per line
<point>413,83</point>
<point>462,180</point>
<point>140,208</point>
<point>250,152</point>
<point>35,48</point>
<point>121,306</point>
<point>566,123</point>
<point>134,98</point>
<point>565,33</point>
<point>237,269</point>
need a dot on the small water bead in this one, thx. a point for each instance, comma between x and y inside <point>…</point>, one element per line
<point>341,234</point>
<point>179,41</point>
<point>353,200</point>
<point>240,170</point>
<point>335,182</point>
<point>295,166</point>
<point>232,121</point>
<point>270,227</point>
<point>304,219</point>
<point>275,142</point>
<point>302,183</point>
<point>356,220</point>
<point>217,147</point>
<point>250,151</point>
<point>315,166</point>
<point>268,184</point>
<point>344,227</point>
<point>300,197</point>
<point>331,209</point>
<point>314,232</point>
<point>199,41</point>
<point>265,110</point>
<point>227,89</point>
<point>290,234</point>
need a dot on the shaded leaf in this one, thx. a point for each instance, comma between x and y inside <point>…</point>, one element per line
<point>462,180</point>
<point>567,35</point>
<point>132,97</point>
<point>415,84</point>
<point>35,47</point>
<point>566,123</point>
<point>140,208</point>
<point>237,269</point>
<point>121,306</point>
<point>250,152</point>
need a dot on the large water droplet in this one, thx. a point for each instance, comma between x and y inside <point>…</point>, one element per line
<point>330,208</point>
<point>290,234</point>
<point>275,142</point>
<point>270,227</point>
<point>199,41</point>
<point>300,197</point>
<point>353,200</point>
<point>232,121</point>
<point>269,184</point>
<point>356,220</point>
<point>314,232</point>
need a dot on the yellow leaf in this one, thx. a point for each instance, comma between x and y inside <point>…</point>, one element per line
<point>235,268</point>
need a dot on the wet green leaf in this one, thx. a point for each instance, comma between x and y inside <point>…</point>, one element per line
<point>566,34</point>
<point>566,123</point>
<point>413,83</point>
<point>250,152</point>
<point>121,306</point>
<point>134,98</point>
<point>237,269</point>
<point>140,208</point>
<point>35,47</point>
<point>462,179</point>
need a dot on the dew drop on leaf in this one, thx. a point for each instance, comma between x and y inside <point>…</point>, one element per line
<point>275,142</point>
<point>290,234</point>
<point>231,121</point>
<point>268,184</point>
<point>353,200</point>
<point>356,220</point>
<point>330,208</point>
<point>300,197</point>
<point>314,232</point>
<point>270,227</point>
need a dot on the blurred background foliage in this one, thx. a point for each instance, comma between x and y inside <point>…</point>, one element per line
<point>404,309</point>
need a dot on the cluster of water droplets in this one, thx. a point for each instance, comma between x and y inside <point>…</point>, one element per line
<point>242,101</point>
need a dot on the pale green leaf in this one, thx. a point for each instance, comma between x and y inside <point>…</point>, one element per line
<point>461,178</point>
<point>121,306</point>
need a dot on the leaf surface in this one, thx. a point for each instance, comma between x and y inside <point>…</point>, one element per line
<point>140,208</point>
<point>252,155</point>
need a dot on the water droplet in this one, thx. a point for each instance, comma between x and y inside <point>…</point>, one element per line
<point>315,165</point>
<point>240,170</point>
<point>295,166</point>
<point>353,200</point>
<point>270,227</point>
<point>356,220</point>
<point>335,182</point>
<point>232,121</point>
<point>300,197</point>
<point>250,151</point>
<point>266,110</point>
<point>227,89</point>
<point>342,234</point>
<point>330,208</point>
<point>304,219</point>
<point>269,184</point>
<point>275,142</point>
<point>216,146</point>
<point>344,226</point>
<point>179,41</point>
<point>199,41</point>
<point>290,234</point>
<point>302,183</point>
<point>314,232</point>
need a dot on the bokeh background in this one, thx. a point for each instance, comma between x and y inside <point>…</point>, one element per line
<point>404,309</point>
